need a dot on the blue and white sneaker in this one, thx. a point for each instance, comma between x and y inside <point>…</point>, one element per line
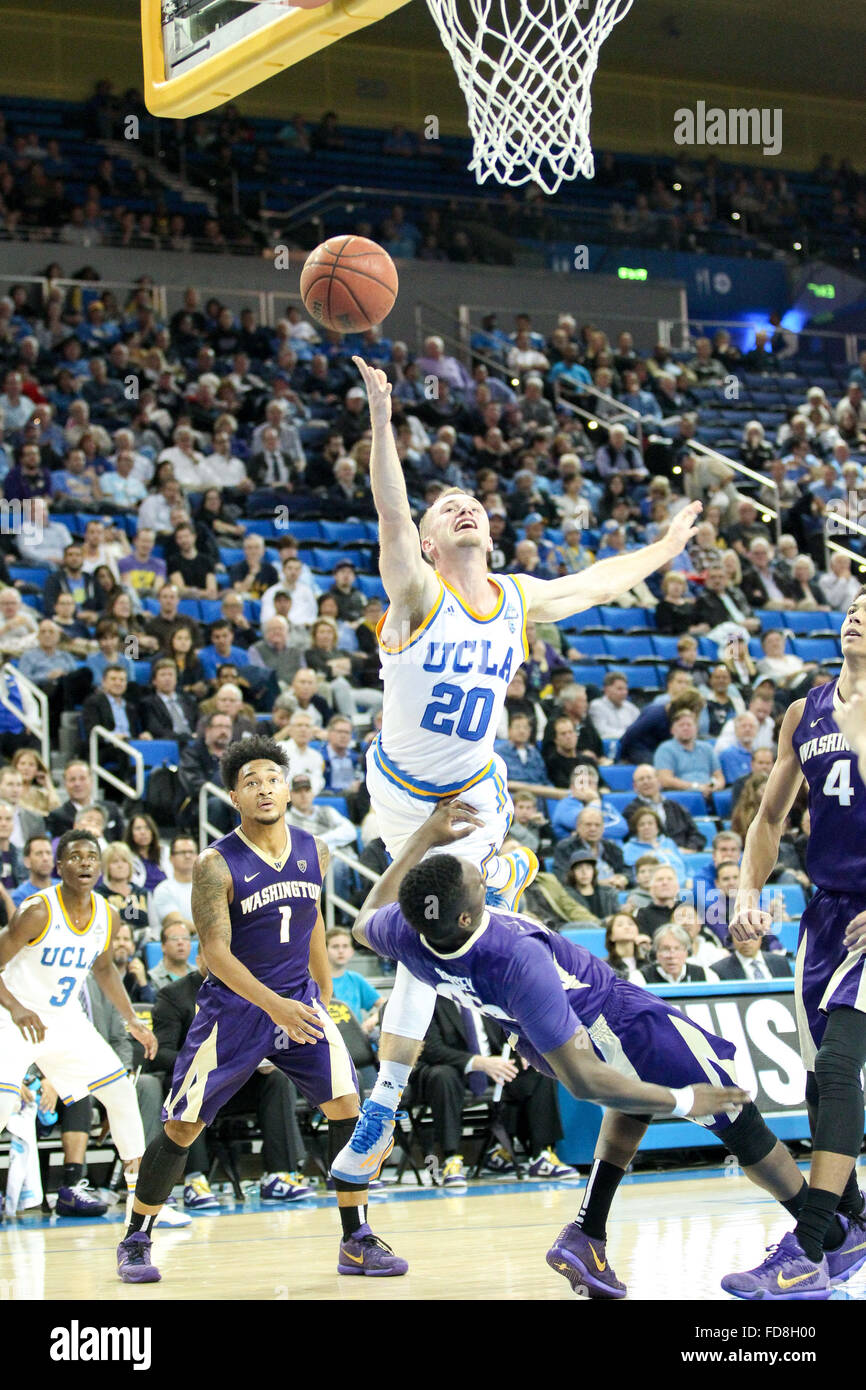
<point>284,1187</point>
<point>786,1273</point>
<point>197,1194</point>
<point>360,1161</point>
<point>524,867</point>
<point>79,1200</point>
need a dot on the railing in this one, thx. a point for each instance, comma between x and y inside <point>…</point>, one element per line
<point>332,898</point>
<point>774,513</point>
<point>691,327</point>
<point>621,412</point>
<point>207,831</point>
<point>36,720</point>
<point>101,735</point>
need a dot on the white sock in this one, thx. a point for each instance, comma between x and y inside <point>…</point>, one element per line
<point>497,871</point>
<point>390,1083</point>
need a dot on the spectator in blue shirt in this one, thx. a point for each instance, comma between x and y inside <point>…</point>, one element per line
<point>736,759</point>
<point>526,770</point>
<point>490,340</point>
<point>636,399</point>
<point>645,837</point>
<point>221,651</point>
<point>350,988</point>
<point>39,863</point>
<point>684,762</point>
<point>569,372</point>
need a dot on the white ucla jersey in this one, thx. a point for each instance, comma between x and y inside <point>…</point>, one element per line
<point>445,691</point>
<point>49,973</point>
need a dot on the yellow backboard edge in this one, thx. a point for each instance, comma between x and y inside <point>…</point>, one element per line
<point>291,38</point>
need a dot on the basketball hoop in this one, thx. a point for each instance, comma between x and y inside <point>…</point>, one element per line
<point>525,68</point>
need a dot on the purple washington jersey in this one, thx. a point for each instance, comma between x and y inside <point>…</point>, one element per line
<point>836,856</point>
<point>533,982</point>
<point>543,988</point>
<point>274,908</point>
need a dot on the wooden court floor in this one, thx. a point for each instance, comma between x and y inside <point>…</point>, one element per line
<point>669,1238</point>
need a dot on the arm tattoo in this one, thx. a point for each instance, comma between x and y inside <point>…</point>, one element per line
<point>324,855</point>
<point>211,881</point>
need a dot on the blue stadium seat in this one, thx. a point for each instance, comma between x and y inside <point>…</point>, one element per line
<point>788,933</point>
<point>150,605</point>
<point>722,803</point>
<point>772,617</point>
<point>371,586</point>
<point>622,619</point>
<point>705,827</point>
<point>695,862</point>
<point>590,937</point>
<point>792,893</point>
<point>579,622</point>
<point>211,609</point>
<point>628,648</point>
<point>338,803</point>
<point>816,648</point>
<point>619,777</point>
<point>693,801</point>
<point>156,751</point>
<point>305,531</point>
<point>642,677</point>
<point>230,555</point>
<point>805,623</point>
<point>588,675</point>
<point>591,645</point>
<point>611,747</point>
<point>343,532</point>
<point>372,531</point>
<point>665,647</point>
<point>263,526</point>
<point>708,648</point>
<point>142,673</point>
<point>189,608</point>
<point>617,801</point>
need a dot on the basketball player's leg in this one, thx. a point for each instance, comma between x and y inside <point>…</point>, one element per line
<point>75,1197</point>
<point>325,1076</point>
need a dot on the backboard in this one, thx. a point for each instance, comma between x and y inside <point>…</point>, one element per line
<point>201,53</point>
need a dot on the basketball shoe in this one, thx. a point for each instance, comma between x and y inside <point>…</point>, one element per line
<point>364,1253</point>
<point>524,867</point>
<point>498,1162</point>
<point>785,1273</point>
<point>850,1256</point>
<point>454,1174</point>
<point>197,1195</point>
<point>134,1263</point>
<point>582,1260</point>
<point>361,1159</point>
<point>548,1166</point>
<point>79,1200</point>
<point>283,1187</point>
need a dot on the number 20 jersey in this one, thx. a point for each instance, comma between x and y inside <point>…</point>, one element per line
<point>836,856</point>
<point>445,690</point>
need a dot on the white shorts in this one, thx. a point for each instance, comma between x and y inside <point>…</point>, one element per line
<point>399,812</point>
<point>74,1057</point>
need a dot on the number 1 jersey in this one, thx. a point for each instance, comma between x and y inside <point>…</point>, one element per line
<point>445,690</point>
<point>836,856</point>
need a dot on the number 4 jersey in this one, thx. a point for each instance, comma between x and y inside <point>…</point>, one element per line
<point>836,857</point>
<point>445,690</point>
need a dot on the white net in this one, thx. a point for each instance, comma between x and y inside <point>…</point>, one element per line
<point>525,68</point>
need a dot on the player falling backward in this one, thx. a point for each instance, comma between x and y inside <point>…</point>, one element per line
<point>450,641</point>
<point>256,906</point>
<point>573,1019</point>
<point>830,982</point>
<point>46,953</point>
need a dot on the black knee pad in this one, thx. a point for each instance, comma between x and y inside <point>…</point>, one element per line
<point>77,1117</point>
<point>749,1138</point>
<point>811,1090</point>
<point>839,1126</point>
<point>339,1134</point>
<point>161,1169</point>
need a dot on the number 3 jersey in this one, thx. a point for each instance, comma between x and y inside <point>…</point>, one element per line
<point>836,856</point>
<point>445,691</point>
<point>49,973</point>
<point>274,907</point>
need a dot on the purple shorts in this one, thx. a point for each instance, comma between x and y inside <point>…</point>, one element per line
<point>828,976</point>
<point>646,1037</point>
<point>228,1039</point>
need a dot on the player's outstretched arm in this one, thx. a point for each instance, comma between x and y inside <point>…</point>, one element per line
<point>451,821</point>
<point>549,600</point>
<point>107,976</point>
<point>761,849</point>
<point>588,1078</point>
<point>408,579</point>
<point>27,924</point>
<point>211,886</point>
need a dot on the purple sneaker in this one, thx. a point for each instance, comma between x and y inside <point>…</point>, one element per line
<point>850,1256</point>
<point>785,1273</point>
<point>583,1262</point>
<point>364,1253</point>
<point>79,1200</point>
<point>133,1260</point>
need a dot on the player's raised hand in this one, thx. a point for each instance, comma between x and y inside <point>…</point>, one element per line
<point>855,933</point>
<point>299,1021</point>
<point>717,1100</point>
<point>145,1037</point>
<point>30,1024</point>
<point>750,924</point>
<point>451,821</point>
<point>378,390</point>
<point>683,527</point>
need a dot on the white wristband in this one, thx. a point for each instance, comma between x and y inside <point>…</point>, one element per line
<point>683,1101</point>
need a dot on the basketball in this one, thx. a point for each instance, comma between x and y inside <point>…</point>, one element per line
<point>349,284</point>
